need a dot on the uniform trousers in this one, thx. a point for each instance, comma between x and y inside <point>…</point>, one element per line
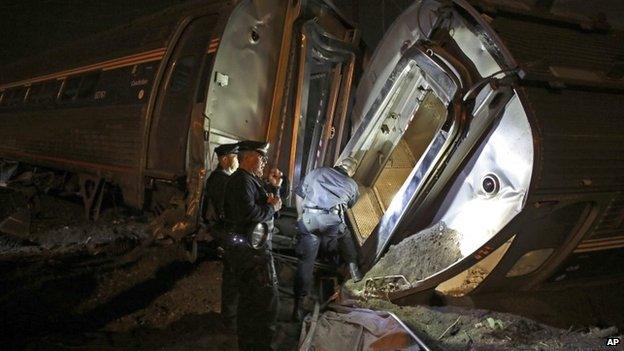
<point>331,238</point>
<point>247,274</point>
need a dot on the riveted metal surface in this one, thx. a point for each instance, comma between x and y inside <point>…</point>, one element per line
<point>394,174</point>
<point>401,157</point>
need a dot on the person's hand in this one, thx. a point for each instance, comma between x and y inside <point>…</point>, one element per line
<point>275,177</point>
<point>276,201</point>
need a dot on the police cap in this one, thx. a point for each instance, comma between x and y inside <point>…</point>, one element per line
<point>251,145</point>
<point>226,149</point>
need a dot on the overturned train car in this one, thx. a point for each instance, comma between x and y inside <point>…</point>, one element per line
<point>501,132</point>
<point>502,127</point>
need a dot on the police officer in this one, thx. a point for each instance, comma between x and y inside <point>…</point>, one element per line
<point>249,270</point>
<point>215,185</point>
<point>322,199</point>
<point>213,216</point>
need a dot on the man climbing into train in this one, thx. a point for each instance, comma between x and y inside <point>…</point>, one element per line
<point>322,199</point>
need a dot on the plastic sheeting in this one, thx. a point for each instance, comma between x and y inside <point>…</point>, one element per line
<point>359,329</point>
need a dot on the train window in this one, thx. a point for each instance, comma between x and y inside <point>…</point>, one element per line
<point>6,98</point>
<point>182,73</point>
<point>2,98</point>
<point>34,93</point>
<point>70,90</point>
<point>203,83</point>
<point>17,96</point>
<point>50,91</point>
<point>144,70</point>
<point>87,86</point>
<point>117,87</point>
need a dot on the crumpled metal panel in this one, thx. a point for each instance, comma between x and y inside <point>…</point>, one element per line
<point>507,155</point>
<point>239,104</point>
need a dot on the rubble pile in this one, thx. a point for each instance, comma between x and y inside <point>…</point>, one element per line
<point>60,226</point>
<point>454,328</point>
<point>94,233</point>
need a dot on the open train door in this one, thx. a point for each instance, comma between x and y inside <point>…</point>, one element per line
<point>313,90</point>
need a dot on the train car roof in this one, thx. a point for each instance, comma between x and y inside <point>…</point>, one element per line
<point>141,35</point>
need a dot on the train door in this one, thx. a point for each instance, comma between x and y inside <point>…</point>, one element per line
<point>324,53</point>
<point>243,76</point>
<point>166,155</point>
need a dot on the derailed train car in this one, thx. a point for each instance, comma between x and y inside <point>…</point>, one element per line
<point>496,137</point>
<point>503,128</point>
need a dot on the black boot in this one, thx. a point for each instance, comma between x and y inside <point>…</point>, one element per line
<point>297,313</point>
<point>354,271</point>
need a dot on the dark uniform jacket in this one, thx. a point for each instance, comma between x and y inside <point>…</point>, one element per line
<point>215,195</point>
<point>245,202</point>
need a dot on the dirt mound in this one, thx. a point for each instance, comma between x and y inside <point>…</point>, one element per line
<point>417,257</point>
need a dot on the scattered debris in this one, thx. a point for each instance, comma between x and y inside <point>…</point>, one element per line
<point>380,287</point>
<point>454,328</point>
<point>603,333</point>
<point>449,328</point>
<point>161,301</point>
<point>495,323</point>
<point>61,229</point>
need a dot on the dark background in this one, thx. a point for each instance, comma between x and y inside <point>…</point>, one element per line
<point>30,27</point>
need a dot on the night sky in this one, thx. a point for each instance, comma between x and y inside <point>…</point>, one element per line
<point>29,27</point>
